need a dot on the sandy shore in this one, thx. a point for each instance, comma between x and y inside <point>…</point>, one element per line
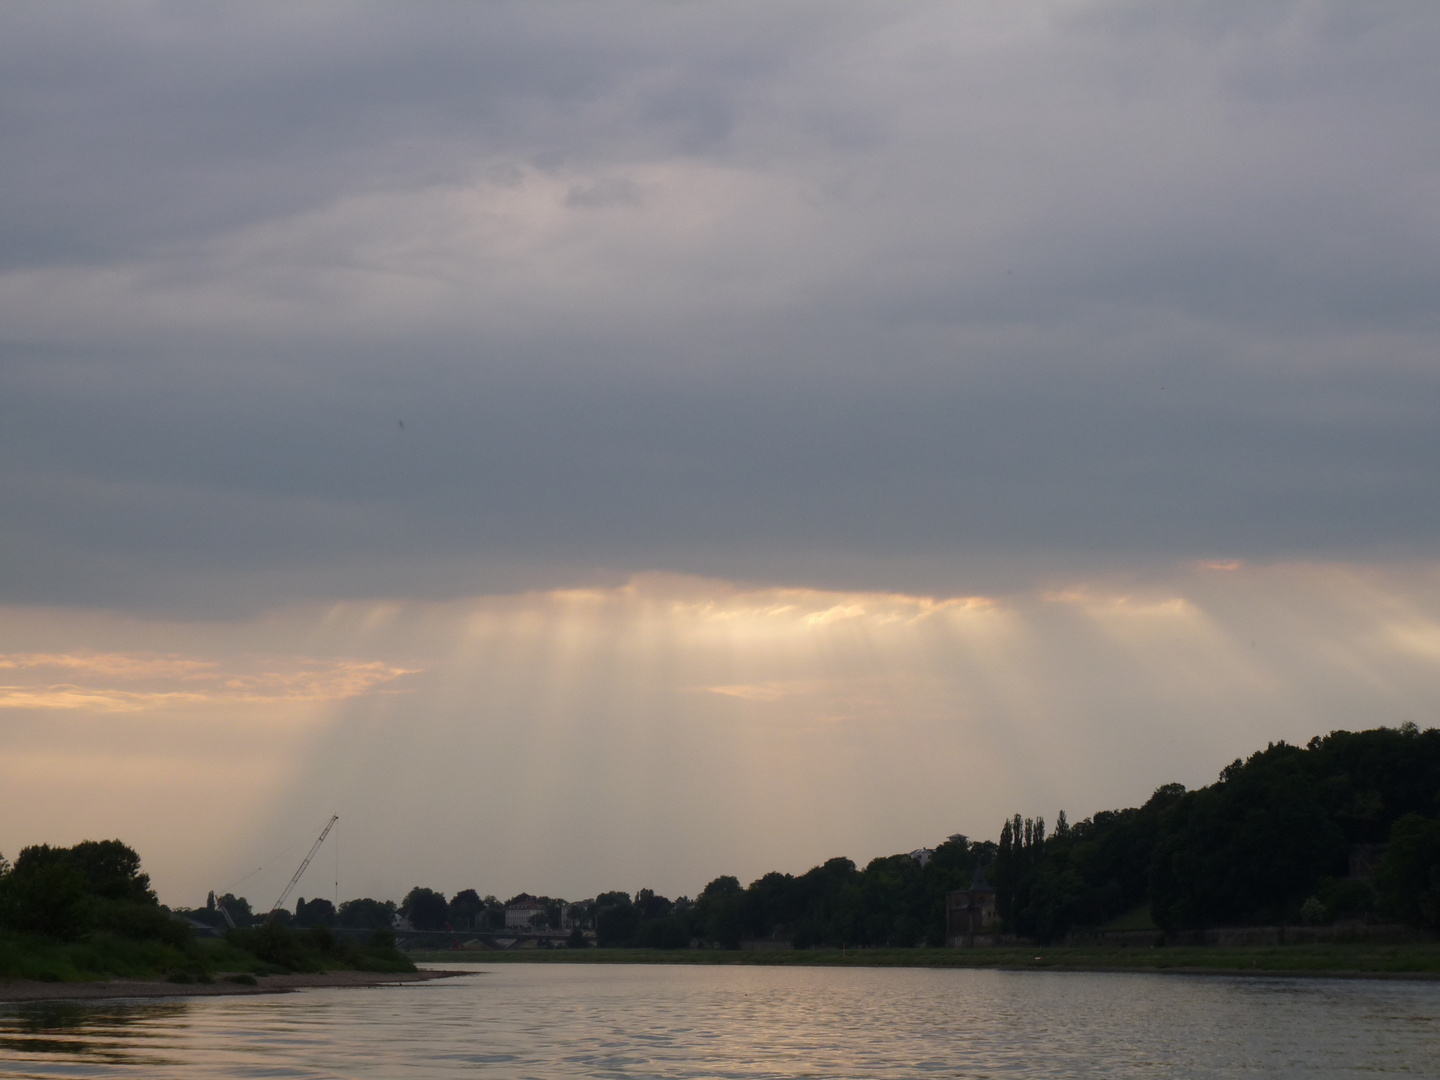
<point>26,990</point>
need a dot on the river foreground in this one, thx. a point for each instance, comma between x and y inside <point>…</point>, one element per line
<point>626,1021</point>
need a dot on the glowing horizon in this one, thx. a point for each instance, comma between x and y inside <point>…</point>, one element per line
<point>672,729</point>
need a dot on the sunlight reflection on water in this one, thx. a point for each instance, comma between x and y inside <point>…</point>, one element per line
<point>551,1020</point>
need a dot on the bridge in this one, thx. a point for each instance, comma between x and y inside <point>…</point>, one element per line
<point>477,940</point>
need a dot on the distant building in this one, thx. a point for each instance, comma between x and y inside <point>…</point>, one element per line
<point>524,913</point>
<point>970,916</point>
<point>923,855</point>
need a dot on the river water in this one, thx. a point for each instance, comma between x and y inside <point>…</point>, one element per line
<point>551,1020</point>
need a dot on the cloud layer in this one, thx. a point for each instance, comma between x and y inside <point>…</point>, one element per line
<point>119,682</point>
<point>921,298</point>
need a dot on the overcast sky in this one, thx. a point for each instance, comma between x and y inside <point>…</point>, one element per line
<point>1027,312</point>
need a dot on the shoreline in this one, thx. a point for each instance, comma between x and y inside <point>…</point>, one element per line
<point>25,990</point>
<point>1395,962</point>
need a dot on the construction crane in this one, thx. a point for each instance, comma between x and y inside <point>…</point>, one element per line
<point>313,849</point>
<point>220,904</point>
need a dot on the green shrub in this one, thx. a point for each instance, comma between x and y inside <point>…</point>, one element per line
<point>1346,898</point>
<point>142,922</point>
<point>281,948</point>
<point>276,945</point>
<point>45,896</point>
<point>1408,879</point>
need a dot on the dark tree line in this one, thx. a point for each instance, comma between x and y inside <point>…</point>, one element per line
<point>1271,841</point>
<point>361,914</point>
<point>427,909</point>
<point>94,899</point>
<point>1345,827</point>
<point>1083,876</point>
<point>67,893</point>
<point>894,901</point>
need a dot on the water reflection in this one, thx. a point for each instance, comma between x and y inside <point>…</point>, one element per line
<point>118,1033</point>
<point>684,1022</point>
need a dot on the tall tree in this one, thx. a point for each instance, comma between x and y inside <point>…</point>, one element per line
<point>425,908</point>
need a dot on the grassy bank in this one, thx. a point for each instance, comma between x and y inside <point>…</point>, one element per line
<point>105,956</point>
<point>1422,960</point>
<point>261,951</point>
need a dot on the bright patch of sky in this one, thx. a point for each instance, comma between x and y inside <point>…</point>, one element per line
<point>665,731</point>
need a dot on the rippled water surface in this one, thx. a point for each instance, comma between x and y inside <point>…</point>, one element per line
<point>551,1020</point>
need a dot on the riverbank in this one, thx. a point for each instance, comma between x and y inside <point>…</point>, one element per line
<point>256,951</point>
<point>12,990</point>
<point>1411,961</point>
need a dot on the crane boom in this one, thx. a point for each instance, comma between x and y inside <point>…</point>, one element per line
<point>313,849</point>
<point>226,912</point>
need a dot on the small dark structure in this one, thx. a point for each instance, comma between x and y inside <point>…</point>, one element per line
<point>970,917</point>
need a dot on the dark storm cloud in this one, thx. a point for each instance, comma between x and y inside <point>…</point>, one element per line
<point>129,126</point>
<point>865,298</point>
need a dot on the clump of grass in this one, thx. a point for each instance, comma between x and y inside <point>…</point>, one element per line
<point>98,955</point>
<point>273,949</point>
<point>266,950</point>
